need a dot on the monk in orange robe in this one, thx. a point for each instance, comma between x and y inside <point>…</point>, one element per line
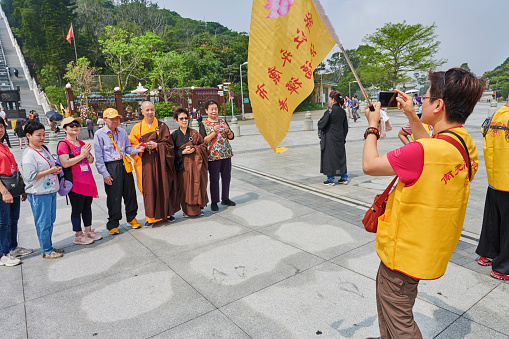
<point>155,167</point>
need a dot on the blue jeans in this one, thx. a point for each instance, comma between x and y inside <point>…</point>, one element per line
<point>9,216</point>
<point>44,209</point>
<point>344,177</point>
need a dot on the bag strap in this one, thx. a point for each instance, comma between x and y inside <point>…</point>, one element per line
<point>385,194</point>
<point>114,143</point>
<point>461,148</point>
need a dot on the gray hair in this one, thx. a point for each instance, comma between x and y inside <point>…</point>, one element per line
<point>145,102</point>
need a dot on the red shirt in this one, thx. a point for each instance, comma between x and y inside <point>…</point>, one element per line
<point>7,161</point>
<point>407,162</point>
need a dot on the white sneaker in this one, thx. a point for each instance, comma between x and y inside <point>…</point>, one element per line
<point>82,239</point>
<point>20,252</point>
<point>9,260</point>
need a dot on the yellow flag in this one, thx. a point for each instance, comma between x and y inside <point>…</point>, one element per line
<point>287,40</point>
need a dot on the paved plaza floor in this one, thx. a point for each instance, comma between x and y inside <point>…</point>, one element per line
<point>291,260</point>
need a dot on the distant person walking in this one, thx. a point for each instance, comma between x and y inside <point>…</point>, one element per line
<point>15,71</point>
<point>334,128</point>
<point>20,133</point>
<point>355,108</point>
<point>90,128</point>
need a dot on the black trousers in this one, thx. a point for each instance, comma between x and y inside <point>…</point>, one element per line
<point>81,207</point>
<point>494,239</point>
<point>122,187</point>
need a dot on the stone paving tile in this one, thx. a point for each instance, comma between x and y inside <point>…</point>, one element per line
<point>138,303</point>
<point>211,325</point>
<point>319,234</point>
<point>295,307</point>
<point>236,267</point>
<point>188,234</point>
<point>84,264</point>
<point>465,328</point>
<point>493,310</point>
<point>11,292</point>
<point>13,325</point>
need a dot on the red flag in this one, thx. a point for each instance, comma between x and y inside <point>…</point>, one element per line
<point>70,34</point>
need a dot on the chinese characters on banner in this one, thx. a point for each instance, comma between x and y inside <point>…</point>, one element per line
<point>286,43</point>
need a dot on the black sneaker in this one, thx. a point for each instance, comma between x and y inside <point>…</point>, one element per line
<point>343,181</point>
<point>330,183</point>
<point>214,206</point>
<point>228,203</point>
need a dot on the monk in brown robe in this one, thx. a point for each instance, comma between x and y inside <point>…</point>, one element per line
<point>191,159</point>
<point>155,167</point>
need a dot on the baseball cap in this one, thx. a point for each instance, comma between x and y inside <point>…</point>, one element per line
<point>68,120</point>
<point>111,113</point>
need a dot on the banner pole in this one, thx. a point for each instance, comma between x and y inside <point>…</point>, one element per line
<point>370,105</point>
<point>74,39</point>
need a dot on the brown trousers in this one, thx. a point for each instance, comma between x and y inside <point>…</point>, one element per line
<point>395,298</point>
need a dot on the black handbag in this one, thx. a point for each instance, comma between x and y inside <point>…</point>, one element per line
<point>14,184</point>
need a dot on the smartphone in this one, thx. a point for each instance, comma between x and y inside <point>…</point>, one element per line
<point>388,99</point>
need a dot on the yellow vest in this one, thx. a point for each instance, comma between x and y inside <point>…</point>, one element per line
<point>426,127</point>
<point>496,151</point>
<point>423,221</point>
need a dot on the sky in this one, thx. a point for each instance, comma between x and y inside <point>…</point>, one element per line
<point>470,31</point>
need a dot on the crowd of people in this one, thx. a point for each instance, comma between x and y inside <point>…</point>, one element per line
<point>172,173</point>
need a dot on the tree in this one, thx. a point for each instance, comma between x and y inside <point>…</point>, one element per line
<point>81,75</point>
<point>168,70</point>
<point>465,66</point>
<point>125,53</point>
<point>401,48</point>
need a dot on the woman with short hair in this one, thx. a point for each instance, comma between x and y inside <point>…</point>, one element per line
<point>191,164</point>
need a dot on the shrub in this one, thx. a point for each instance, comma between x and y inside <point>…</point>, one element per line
<point>164,109</point>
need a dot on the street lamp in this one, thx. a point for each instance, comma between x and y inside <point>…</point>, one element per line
<point>242,91</point>
<point>350,94</point>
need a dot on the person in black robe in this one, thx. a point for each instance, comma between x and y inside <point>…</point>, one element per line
<point>332,129</point>
<point>191,164</point>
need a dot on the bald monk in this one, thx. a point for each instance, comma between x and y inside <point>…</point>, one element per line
<point>155,167</point>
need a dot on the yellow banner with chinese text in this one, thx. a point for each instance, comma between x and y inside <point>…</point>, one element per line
<point>287,40</point>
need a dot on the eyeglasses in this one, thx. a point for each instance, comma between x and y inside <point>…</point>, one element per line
<point>73,124</point>
<point>184,118</point>
<point>424,98</point>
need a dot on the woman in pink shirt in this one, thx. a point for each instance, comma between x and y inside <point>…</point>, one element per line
<point>75,156</point>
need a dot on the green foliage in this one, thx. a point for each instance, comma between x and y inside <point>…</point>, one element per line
<point>81,76</point>
<point>226,109</point>
<point>168,71</point>
<point>56,95</point>
<point>465,66</point>
<point>164,109</point>
<point>309,106</point>
<point>499,78</point>
<point>396,49</point>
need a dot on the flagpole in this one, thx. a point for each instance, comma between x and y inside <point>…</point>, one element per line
<point>332,32</point>
<point>370,105</point>
<point>74,39</point>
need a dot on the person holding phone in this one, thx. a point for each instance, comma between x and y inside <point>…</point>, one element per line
<point>424,215</point>
<point>40,174</point>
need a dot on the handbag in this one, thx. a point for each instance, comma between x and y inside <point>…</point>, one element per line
<point>14,184</point>
<point>370,219</point>
<point>127,160</point>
